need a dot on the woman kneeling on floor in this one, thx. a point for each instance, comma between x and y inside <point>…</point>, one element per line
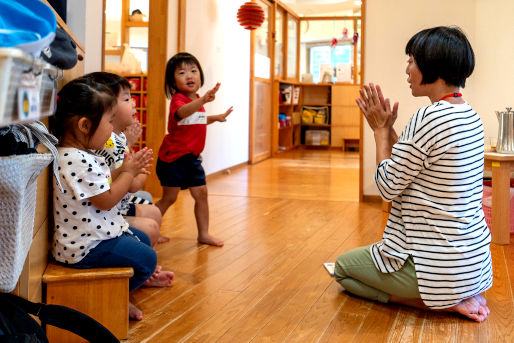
<point>435,252</point>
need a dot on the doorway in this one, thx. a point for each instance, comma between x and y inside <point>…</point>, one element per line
<point>135,28</point>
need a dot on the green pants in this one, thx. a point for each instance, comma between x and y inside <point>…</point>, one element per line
<point>356,272</point>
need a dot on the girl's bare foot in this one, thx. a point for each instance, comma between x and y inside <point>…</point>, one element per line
<point>208,239</point>
<point>134,312</point>
<point>474,308</point>
<point>160,278</point>
<point>162,239</point>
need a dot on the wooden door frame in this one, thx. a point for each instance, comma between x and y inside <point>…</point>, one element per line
<point>156,101</point>
<point>289,12</point>
<point>157,58</point>
<point>271,51</point>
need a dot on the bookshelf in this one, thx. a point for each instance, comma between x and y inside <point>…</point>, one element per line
<point>138,91</point>
<point>334,119</point>
<point>287,112</point>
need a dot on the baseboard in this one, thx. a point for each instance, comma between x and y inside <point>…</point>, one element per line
<point>226,170</point>
<point>371,198</point>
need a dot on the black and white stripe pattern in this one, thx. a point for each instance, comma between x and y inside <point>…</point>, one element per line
<point>434,179</point>
<point>138,201</point>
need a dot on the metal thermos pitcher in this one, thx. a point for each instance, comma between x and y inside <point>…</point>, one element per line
<point>505,142</point>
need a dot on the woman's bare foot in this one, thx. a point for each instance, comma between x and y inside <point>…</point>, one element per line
<point>208,239</point>
<point>160,278</point>
<point>134,312</point>
<point>474,308</point>
<point>162,239</point>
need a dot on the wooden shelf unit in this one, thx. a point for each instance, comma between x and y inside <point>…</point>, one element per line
<point>343,118</point>
<point>316,96</point>
<point>346,116</point>
<point>138,92</point>
<point>288,134</point>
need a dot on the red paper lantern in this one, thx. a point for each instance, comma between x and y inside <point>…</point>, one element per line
<point>250,15</point>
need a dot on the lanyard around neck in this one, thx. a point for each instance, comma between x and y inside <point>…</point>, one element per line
<point>451,95</point>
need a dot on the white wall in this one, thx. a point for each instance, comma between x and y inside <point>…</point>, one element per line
<point>215,38</point>
<point>88,32</point>
<point>494,51</point>
<point>222,47</point>
<point>389,26</point>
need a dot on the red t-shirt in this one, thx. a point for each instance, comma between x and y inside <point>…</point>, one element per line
<point>184,135</point>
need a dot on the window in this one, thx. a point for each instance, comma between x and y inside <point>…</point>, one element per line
<point>336,62</point>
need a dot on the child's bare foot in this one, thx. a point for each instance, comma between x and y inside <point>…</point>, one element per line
<point>208,239</point>
<point>162,239</point>
<point>134,312</point>
<point>474,308</point>
<point>160,278</point>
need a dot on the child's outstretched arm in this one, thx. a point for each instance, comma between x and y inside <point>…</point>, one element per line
<point>219,117</point>
<point>192,107</point>
<point>131,167</point>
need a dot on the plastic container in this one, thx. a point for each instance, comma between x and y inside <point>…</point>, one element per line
<point>317,137</point>
<point>14,63</point>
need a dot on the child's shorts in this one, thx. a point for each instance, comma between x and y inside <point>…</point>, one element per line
<point>131,210</point>
<point>184,172</point>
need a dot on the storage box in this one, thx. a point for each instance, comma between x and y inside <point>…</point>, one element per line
<point>315,114</point>
<point>16,65</point>
<point>134,83</point>
<point>317,137</point>
<point>135,98</point>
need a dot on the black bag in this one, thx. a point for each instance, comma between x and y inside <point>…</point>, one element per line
<point>17,326</point>
<point>62,51</point>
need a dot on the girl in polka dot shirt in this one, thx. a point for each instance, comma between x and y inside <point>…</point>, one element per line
<point>89,230</point>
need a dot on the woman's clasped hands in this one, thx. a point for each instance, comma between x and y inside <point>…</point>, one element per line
<point>376,109</point>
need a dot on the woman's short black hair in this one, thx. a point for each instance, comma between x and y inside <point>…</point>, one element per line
<point>81,98</point>
<point>176,61</point>
<point>442,52</point>
<point>115,82</point>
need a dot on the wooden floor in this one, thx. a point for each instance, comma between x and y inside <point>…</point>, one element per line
<point>280,220</point>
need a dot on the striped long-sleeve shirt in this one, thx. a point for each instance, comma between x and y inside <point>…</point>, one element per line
<point>434,179</point>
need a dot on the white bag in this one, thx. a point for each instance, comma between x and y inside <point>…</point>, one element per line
<point>129,63</point>
<point>18,186</point>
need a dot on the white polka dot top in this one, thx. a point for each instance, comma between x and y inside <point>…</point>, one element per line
<point>79,225</point>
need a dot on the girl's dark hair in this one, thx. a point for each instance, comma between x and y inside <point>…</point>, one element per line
<point>442,52</point>
<point>81,98</point>
<point>115,82</point>
<point>176,61</point>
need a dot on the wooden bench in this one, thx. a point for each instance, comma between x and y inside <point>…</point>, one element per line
<point>101,293</point>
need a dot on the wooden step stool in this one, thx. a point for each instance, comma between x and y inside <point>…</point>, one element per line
<point>101,293</point>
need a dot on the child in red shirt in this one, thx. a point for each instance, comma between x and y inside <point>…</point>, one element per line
<point>179,165</point>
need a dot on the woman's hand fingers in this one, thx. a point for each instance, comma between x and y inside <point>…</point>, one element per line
<point>369,96</point>
<point>395,111</point>
<point>361,104</point>
<point>380,97</point>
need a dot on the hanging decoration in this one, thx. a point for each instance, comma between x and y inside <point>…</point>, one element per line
<point>250,15</point>
<point>334,43</point>
<point>334,40</point>
<point>355,38</point>
<point>345,33</point>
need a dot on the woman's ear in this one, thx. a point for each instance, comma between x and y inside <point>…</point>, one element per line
<point>84,125</point>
